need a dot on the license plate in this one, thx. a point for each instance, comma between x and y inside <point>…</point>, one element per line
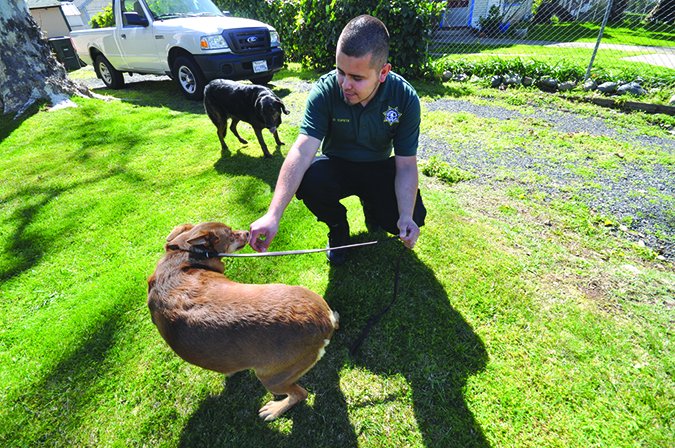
<point>259,66</point>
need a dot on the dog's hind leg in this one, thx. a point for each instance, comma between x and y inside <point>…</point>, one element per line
<point>233,128</point>
<point>284,383</point>
<point>258,133</point>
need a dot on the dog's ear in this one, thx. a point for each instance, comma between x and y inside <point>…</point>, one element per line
<point>178,230</point>
<point>283,107</point>
<point>203,238</point>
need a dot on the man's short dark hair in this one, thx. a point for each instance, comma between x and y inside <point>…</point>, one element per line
<point>363,35</point>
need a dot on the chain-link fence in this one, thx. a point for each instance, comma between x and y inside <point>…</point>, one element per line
<point>634,36</point>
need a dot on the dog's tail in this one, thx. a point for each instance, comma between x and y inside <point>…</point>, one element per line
<point>335,319</point>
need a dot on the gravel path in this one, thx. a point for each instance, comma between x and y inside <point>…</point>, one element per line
<point>642,196</point>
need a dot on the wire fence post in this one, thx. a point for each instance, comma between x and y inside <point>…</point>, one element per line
<point>597,43</point>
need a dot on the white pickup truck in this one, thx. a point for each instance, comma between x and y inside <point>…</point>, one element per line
<point>192,41</point>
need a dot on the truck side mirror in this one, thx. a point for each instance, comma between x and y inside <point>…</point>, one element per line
<point>134,19</point>
<point>227,13</point>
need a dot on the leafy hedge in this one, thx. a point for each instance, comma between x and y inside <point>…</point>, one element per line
<point>309,29</point>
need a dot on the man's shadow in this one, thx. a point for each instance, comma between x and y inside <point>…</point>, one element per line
<point>422,339</point>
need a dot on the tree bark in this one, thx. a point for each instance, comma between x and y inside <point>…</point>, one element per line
<point>29,73</point>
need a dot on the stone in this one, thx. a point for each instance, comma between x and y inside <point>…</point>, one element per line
<point>496,81</point>
<point>527,81</point>
<point>548,84</point>
<point>590,85</point>
<point>447,75</point>
<point>566,86</point>
<point>633,88</point>
<point>608,87</point>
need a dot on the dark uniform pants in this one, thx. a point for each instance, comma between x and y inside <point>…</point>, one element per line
<point>330,179</point>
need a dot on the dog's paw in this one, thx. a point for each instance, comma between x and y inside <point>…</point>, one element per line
<point>273,409</point>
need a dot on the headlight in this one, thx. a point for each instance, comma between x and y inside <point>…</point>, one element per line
<point>274,38</point>
<point>216,42</point>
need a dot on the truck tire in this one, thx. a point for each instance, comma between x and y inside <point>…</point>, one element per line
<point>261,81</point>
<point>111,77</point>
<point>189,78</point>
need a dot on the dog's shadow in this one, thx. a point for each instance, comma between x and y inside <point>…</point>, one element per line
<point>234,162</point>
<point>422,343</point>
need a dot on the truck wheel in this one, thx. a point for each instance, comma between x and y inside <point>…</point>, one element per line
<point>189,77</point>
<point>263,80</point>
<point>111,77</point>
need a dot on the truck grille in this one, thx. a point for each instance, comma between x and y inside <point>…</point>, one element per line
<point>250,40</point>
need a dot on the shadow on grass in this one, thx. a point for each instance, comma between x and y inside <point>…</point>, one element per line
<point>47,413</point>
<point>163,92</point>
<point>236,163</point>
<point>25,248</point>
<point>422,338</point>
<point>9,124</point>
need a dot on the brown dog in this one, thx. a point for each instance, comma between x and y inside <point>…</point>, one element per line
<point>279,331</point>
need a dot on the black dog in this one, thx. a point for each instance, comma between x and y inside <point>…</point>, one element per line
<point>256,105</point>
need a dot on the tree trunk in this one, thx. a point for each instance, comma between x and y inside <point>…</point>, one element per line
<point>29,73</point>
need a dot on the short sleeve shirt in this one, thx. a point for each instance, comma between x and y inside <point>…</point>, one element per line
<point>391,120</point>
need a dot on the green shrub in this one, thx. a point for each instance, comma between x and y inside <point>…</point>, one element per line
<point>435,167</point>
<point>309,29</point>
<point>103,19</point>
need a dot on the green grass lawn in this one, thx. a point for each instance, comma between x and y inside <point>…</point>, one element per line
<point>520,323</point>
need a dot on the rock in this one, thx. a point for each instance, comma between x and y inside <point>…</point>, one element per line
<point>567,85</point>
<point>590,85</point>
<point>461,77</point>
<point>496,81</point>
<point>672,101</point>
<point>475,79</point>
<point>512,80</point>
<point>608,87</point>
<point>447,75</point>
<point>548,84</point>
<point>633,88</point>
<point>527,82</point>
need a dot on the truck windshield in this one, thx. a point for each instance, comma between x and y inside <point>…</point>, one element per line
<point>169,9</point>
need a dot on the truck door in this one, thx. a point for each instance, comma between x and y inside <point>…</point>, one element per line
<point>137,42</point>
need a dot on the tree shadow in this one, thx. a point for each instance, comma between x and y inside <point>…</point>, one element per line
<point>163,92</point>
<point>9,123</point>
<point>25,248</point>
<point>45,411</point>
<point>422,337</point>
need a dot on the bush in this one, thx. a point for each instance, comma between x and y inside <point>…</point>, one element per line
<point>103,19</point>
<point>309,29</point>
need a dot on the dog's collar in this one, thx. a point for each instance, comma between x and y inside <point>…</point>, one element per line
<point>196,252</point>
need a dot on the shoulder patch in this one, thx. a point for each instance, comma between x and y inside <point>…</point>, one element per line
<point>391,115</point>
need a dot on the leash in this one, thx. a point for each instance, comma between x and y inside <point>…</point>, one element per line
<point>375,318</point>
<point>199,252</point>
<point>202,253</point>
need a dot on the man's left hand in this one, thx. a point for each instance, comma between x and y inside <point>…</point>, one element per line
<point>409,232</point>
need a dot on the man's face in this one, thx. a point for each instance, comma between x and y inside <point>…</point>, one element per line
<point>358,79</point>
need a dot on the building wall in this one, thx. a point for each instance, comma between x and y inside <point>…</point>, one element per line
<point>51,21</point>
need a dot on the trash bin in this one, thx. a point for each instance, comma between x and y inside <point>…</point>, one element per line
<point>65,53</point>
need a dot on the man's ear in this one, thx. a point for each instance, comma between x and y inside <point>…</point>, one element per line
<point>384,72</point>
<point>178,230</point>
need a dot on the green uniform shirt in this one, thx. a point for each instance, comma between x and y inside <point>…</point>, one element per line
<point>364,134</point>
